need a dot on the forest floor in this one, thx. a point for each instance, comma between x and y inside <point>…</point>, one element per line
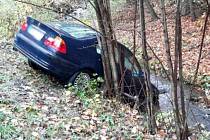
<point>34,105</point>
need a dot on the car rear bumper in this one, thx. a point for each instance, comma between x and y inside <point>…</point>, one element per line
<point>49,61</point>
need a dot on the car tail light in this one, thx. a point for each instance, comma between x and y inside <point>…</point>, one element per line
<point>56,43</point>
<point>24,26</point>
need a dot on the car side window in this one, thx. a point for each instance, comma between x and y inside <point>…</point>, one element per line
<point>129,65</point>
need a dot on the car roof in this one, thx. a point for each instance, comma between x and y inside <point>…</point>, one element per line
<point>60,23</point>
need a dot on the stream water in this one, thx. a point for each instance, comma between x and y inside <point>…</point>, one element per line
<point>196,113</point>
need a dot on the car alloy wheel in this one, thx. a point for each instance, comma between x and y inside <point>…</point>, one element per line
<point>81,80</point>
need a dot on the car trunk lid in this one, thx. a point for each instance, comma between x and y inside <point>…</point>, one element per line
<point>43,35</point>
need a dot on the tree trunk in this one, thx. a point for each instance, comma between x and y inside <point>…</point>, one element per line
<point>151,10</point>
<point>178,43</point>
<point>181,124</point>
<point>184,130</point>
<point>166,39</point>
<point>150,107</point>
<point>108,44</point>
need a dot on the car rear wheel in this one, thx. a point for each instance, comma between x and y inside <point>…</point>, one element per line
<point>80,79</point>
<point>33,65</point>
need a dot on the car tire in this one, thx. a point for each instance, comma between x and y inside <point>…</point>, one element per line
<point>156,95</point>
<point>33,65</point>
<point>80,79</point>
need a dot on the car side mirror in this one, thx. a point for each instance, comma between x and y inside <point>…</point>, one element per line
<point>98,49</point>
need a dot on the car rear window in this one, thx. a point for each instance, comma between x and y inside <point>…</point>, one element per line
<point>75,30</point>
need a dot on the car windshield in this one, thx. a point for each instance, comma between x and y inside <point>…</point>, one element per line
<point>76,30</point>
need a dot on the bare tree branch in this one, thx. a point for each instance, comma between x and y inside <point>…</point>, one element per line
<point>149,91</point>
<point>202,43</point>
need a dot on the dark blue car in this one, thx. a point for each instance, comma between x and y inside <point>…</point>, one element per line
<point>70,52</point>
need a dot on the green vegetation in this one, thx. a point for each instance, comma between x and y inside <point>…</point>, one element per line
<point>206,86</point>
<point>7,129</point>
<point>90,94</point>
<point>10,20</point>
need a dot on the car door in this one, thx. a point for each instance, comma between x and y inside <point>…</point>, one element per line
<point>134,76</point>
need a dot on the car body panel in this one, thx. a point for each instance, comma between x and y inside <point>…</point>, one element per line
<point>81,51</point>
